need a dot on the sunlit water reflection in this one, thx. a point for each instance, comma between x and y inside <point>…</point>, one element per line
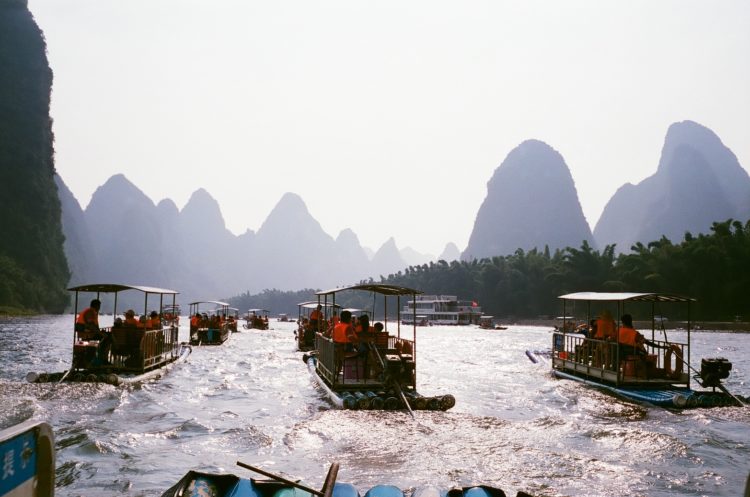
<point>252,399</point>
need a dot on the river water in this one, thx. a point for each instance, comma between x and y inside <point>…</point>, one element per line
<point>514,426</point>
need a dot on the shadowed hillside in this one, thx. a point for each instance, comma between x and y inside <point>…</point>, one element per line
<point>33,268</point>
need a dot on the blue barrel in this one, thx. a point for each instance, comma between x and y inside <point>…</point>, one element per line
<point>375,401</point>
<point>350,402</point>
<point>384,491</point>
<point>345,490</point>
<point>246,488</point>
<point>477,492</point>
<point>291,492</point>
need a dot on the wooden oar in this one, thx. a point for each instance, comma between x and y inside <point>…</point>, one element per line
<point>65,375</point>
<point>328,484</point>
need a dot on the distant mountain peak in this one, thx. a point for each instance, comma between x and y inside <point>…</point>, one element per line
<point>347,235</point>
<point>531,203</point>
<point>450,253</point>
<point>118,183</point>
<point>288,213</point>
<point>698,181</point>
<point>117,191</point>
<point>203,210</point>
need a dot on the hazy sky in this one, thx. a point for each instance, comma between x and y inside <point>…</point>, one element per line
<point>387,117</point>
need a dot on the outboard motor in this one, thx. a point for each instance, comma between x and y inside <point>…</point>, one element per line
<point>714,370</point>
<point>393,366</point>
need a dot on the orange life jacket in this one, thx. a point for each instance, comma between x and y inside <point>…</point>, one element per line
<point>315,315</point>
<point>132,322</point>
<point>341,332</point>
<point>628,336</point>
<point>81,319</point>
<point>605,328</point>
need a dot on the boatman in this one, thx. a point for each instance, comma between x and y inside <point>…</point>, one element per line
<point>631,341</point>
<point>87,322</point>
<point>316,316</point>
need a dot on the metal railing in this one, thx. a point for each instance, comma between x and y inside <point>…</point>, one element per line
<point>662,360</point>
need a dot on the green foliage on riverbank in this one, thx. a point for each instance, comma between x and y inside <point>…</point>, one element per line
<point>275,301</point>
<point>33,268</point>
<point>713,268</point>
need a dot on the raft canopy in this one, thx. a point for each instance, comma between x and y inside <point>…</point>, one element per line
<point>313,304</point>
<point>223,304</point>
<point>372,287</point>
<point>626,297</point>
<point>114,288</point>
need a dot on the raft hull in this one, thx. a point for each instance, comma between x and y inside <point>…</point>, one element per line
<point>670,397</point>
<point>377,396</point>
<point>102,375</point>
<point>225,485</point>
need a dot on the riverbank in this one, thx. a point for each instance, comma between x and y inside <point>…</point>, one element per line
<point>732,326</point>
<point>6,311</point>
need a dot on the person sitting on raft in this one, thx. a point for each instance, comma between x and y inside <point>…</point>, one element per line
<point>87,322</point>
<point>153,323</point>
<point>130,320</point>
<point>631,341</point>
<point>343,336</point>
<point>364,335</point>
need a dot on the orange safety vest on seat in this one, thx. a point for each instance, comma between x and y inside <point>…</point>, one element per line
<point>340,332</point>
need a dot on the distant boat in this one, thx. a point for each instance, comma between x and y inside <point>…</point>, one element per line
<point>213,326</point>
<point>233,317</point>
<point>170,314</point>
<point>120,353</point>
<point>441,310</point>
<point>384,374</point>
<point>305,332</point>
<point>256,319</point>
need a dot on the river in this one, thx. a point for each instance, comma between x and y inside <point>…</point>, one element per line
<point>514,426</point>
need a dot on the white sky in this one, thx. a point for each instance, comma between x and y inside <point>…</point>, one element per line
<point>386,117</point>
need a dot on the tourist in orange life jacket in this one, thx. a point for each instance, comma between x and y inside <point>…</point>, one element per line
<point>342,338</point>
<point>87,322</point>
<point>153,323</point>
<point>130,319</point>
<point>315,317</point>
<point>605,326</point>
<point>631,342</point>
<point>334,319</point>
<point>195,322</point>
